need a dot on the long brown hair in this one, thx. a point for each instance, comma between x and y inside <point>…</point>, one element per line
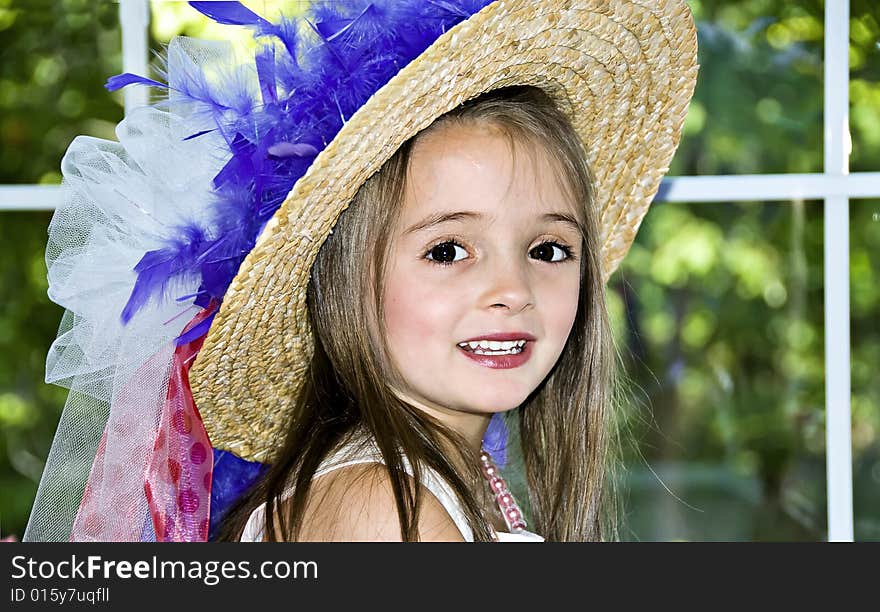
<point>565,425</point>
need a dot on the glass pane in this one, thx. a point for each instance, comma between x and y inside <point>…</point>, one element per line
<point>29,408</point>
<point>758,103</point>
<point>864,87</point>
<point>718,313</point>
<point>865,355</point>
<point>55,59</point>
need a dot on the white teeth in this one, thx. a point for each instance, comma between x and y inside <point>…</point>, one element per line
<point>494,347</point>
<point>513,351</point>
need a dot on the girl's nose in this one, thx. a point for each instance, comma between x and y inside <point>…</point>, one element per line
<point>508,287</point>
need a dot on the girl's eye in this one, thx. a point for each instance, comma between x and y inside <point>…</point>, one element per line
<point>446,252</point>
<point>551,252</point>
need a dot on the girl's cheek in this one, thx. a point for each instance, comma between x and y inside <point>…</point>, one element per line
<point>560,300</point>
<point>570,311</point>
<point>410,300</point>
<point>424,302</point>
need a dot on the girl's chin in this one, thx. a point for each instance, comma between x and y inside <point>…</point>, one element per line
<point>496,394</point>
<point>492,405</point>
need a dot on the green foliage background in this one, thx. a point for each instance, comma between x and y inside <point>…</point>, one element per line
<point>718,308</point>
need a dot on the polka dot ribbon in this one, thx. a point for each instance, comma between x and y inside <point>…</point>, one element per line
<point>178,476</point>
<point>150,482</point>
<point>113,507</point>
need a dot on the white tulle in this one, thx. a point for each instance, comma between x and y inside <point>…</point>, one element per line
<point>121,200</point>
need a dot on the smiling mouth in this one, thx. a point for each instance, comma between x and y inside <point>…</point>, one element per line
<point>494,347</point>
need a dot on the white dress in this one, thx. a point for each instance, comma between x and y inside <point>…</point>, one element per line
<point>352,454</point>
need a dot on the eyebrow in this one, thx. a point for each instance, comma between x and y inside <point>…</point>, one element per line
<point>447,217</point>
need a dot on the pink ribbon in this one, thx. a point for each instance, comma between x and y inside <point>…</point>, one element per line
<point>177,483</point>
<point>132,484</point>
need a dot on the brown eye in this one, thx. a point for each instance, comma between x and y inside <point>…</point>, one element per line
<point>550,252</point>
<point>446,252</point>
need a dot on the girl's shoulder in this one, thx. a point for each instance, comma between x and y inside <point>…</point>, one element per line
<point>351,499</point>
<point>356,503</point>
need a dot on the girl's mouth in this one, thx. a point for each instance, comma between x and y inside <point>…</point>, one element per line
<point>500,355</point>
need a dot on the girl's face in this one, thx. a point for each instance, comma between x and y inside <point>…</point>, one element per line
<point>482,283</point>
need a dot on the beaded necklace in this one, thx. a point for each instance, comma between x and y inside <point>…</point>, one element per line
<point>513,516</point>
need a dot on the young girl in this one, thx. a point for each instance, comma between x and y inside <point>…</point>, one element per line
<point>465,177</point>
<point>489,281</point>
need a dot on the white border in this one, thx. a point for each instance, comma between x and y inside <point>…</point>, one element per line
<point>836,186</point>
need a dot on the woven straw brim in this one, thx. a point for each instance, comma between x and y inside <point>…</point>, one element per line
<point>623,72</point>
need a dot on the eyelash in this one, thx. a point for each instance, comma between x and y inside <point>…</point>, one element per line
<point>569,254</point>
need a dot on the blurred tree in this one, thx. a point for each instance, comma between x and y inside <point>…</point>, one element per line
<point>55,59</point>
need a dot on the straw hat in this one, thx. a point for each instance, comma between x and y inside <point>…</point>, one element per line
<point>622,71</point>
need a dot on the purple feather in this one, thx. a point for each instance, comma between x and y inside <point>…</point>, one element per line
<point>227,103</point>
<point>230,13</point>
<point>292,149</point>
<point>196,331</point>
<point>495,440</point>
<point>121,80</point>
<point>197,134</point>
<point>265,60</point>
<point>154,268</point>
<point>232,478</point>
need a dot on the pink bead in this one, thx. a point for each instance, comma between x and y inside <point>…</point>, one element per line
<point>505,500</point>
<point>506,503</point>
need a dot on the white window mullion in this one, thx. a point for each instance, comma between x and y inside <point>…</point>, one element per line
<point>746,187</point>
<point>769,187</point>
<point>838,434</point>
<point>29,197</point>
<point>134,17</point>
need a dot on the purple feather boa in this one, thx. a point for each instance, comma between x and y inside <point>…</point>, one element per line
<point>495,440</point>
<point>310,83</point>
